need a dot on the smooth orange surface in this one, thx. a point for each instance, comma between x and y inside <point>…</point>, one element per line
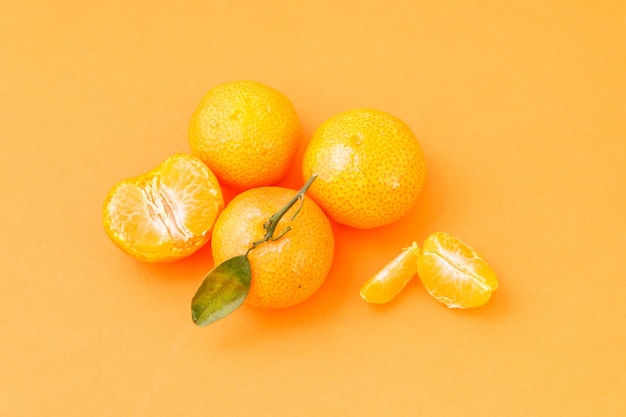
<point>520,109</point>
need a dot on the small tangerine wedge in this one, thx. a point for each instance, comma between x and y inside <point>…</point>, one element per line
<point>453,273</point>
<point>389,281</point>
<point>165,214</point>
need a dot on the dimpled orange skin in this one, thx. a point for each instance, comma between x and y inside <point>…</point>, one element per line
<point>370,168</point>
<point>246,132</point>
<point>287,271</point>
<point>165,214</point>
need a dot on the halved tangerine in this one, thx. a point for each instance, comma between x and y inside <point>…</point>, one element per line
<point>165,214</point>
<point>453,273</point>
<point>389,281</point>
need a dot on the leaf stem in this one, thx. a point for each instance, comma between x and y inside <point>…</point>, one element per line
<point>272,222</point>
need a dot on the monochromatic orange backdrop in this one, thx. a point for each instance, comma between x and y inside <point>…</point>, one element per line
<point>520,109</point>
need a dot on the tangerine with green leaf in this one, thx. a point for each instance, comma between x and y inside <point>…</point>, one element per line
<point>293,264</point>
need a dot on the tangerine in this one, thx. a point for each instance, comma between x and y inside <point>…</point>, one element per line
<point>453,273</point>
<point>246,132</point>
<point>370,168</point>
<point>165,214</point>
<point>289,269</point>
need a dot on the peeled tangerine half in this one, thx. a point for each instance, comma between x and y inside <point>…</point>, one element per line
<point>389,281</point>
<point>453,273</point>
<point>165,214</point>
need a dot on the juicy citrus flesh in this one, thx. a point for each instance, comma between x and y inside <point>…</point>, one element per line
<point>387,283</point>
<point>454,273</point>
<point>370,168</point>
<point>286,271</point>
<point>165,214</point>
<point>246,132</point>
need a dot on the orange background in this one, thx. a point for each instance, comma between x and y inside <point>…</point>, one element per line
<point>520,108</point>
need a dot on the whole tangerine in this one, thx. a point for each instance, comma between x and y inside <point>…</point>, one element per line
<point>370,168</point>
<point>246,132</point>
<point>292,267</point>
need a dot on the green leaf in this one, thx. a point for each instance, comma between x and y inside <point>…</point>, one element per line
<point>223,290</point>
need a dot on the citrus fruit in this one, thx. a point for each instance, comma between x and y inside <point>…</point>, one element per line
<point>289,269</point>
<point>370,168</point>
<point>389,281</point>
<point>453,273</point>
<point>246,132</point>
<point>165,214</point>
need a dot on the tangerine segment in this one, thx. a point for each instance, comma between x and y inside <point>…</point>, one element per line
<point>285,271</point>
<point>453,273</point>
<point>389,281</point>
<point>165,214</point>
